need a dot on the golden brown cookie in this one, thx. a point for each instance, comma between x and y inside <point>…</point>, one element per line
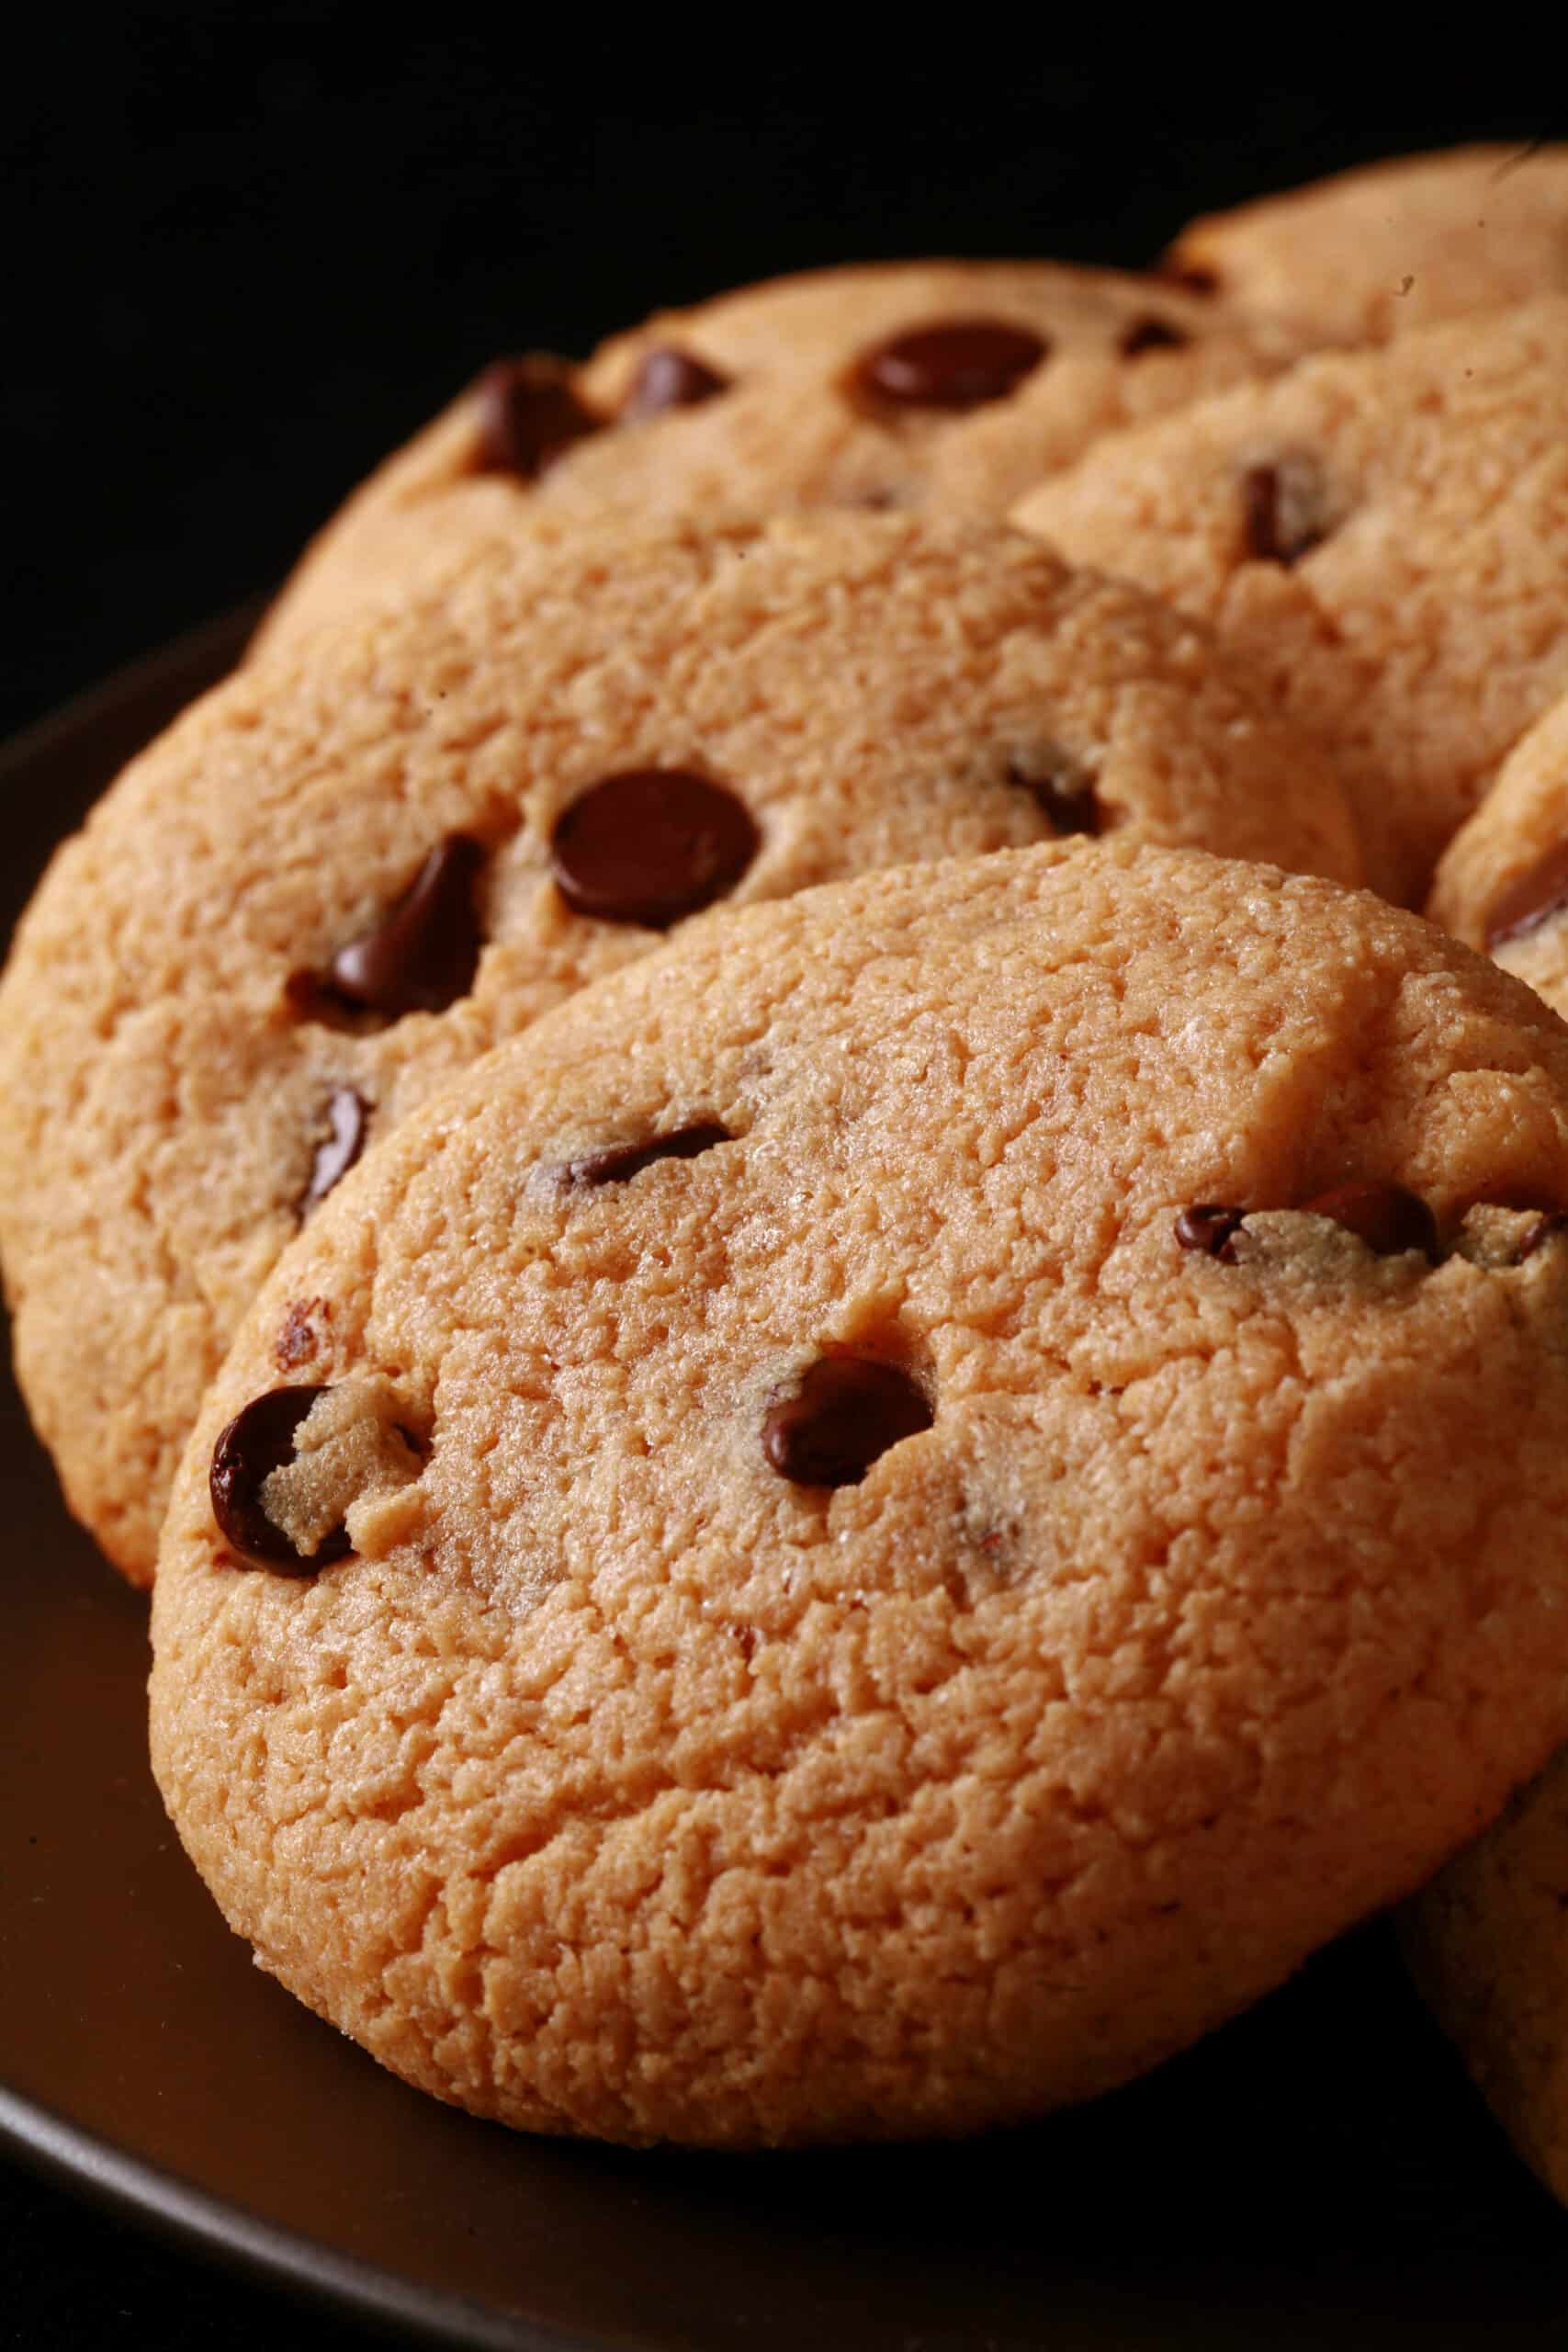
<point>354,867</point>
<point>952,385</point>
<point>1487,1943</point>
<point>1381,536</point>
<point>894,1511</point>
<point>1394,244</point>
<point>1503,884</point>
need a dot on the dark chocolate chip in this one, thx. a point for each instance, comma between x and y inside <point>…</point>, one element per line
<point>528,414</point>
<point>422,955</point>
<point>845,1411</point>
<point>1546,1227</point>
<point>255,1443</point>
<point>1152,334</point>
<point>1285,508</point>
<point>617,1162</point>
<point>1209,1227</point>
<point>348,1121</point>
<point>1064,788</point>
<point>669,377</point>
<point>958,363</point>
<point>650,845</point>
<point>1195,276</point>
<point>1387,1218</point>
<point>1532,899</point>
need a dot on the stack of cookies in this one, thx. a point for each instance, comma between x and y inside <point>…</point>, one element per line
<point>839,1339</point>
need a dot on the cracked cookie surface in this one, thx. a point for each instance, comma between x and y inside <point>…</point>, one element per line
<point>1382,535</point>
<point>353,869</point>
<point>902,1617</point>
<point>948,385</point>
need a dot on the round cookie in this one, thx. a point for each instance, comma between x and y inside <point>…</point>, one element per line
<point>1487,1944</point>
<point>224,987</point>
<point>1382,535</point>
<point>1503,884</point>
<point>1396,244</point>
<point>894,1512</point>
<point>952,385</point>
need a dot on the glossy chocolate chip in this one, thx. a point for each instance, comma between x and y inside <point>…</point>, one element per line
<point>1064,788</point>
<point>844,1412</point>
<point>255,1443</point>
<point>1152,334</point>
<point>650,845</point>
<point>1387,1218</point>
<point>422,955</point>
<point>617,1162</point>
<point>1209,1227</point>
<point>1284,508</point>
<point>528,414</point>
<point>348,1124</point>
<point>669,377</point>
<point>1547,1228</point>
<point>1532,899</point>
<point>956,364</point>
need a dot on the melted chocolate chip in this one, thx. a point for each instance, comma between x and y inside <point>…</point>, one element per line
<point>617,1162</point>
<point>1209,1227</point>
<point>957,364</point>
<point>1532,899</point>
<point>528,414</point>
<point>1387,1218</point>
<point>650,845</point>
<point>1546,1227</point>
<point>1195,276</point>
<point>348,1120</point>
<point>1064,788</point>
<point>422,955</point>
<point>844,1412</point>
<point>255,1443</point>
<point>669,377</point>
<point>1284,508</point>
<point>1152,334</point>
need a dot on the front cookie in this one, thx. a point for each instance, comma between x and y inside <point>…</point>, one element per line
<point>894,1512</point>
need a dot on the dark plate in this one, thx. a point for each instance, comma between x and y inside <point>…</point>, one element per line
<point>1319,2169</point>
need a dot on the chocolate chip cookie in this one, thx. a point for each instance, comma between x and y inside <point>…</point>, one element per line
<point>352,870</point>
<point>1503,884</point>
<point>1394,246</point>
<point>896,1509</point>
<point>1382,535</point>
<point>952,385</point>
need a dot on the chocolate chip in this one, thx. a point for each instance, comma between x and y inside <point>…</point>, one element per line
<point>528,414</point>
<point>1152,334</point>
<point>845,1411</point>
<point>669,377</point>
<point>255,1443</point>
<point>957,364</point>
<point>1285,508</point>
<point>1064,788</point>
<point>1535,1237</point>
<point>348,1119</point>
<point>650,845</point>
<point>1532,899</point>
<point>1387,1218</point>
<point>1194,276</point>
<point>1209,1227</point>
<point>617,1162</point>
<point>422,955</point>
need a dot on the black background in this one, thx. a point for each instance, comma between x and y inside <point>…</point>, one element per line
<point>245,251</point>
